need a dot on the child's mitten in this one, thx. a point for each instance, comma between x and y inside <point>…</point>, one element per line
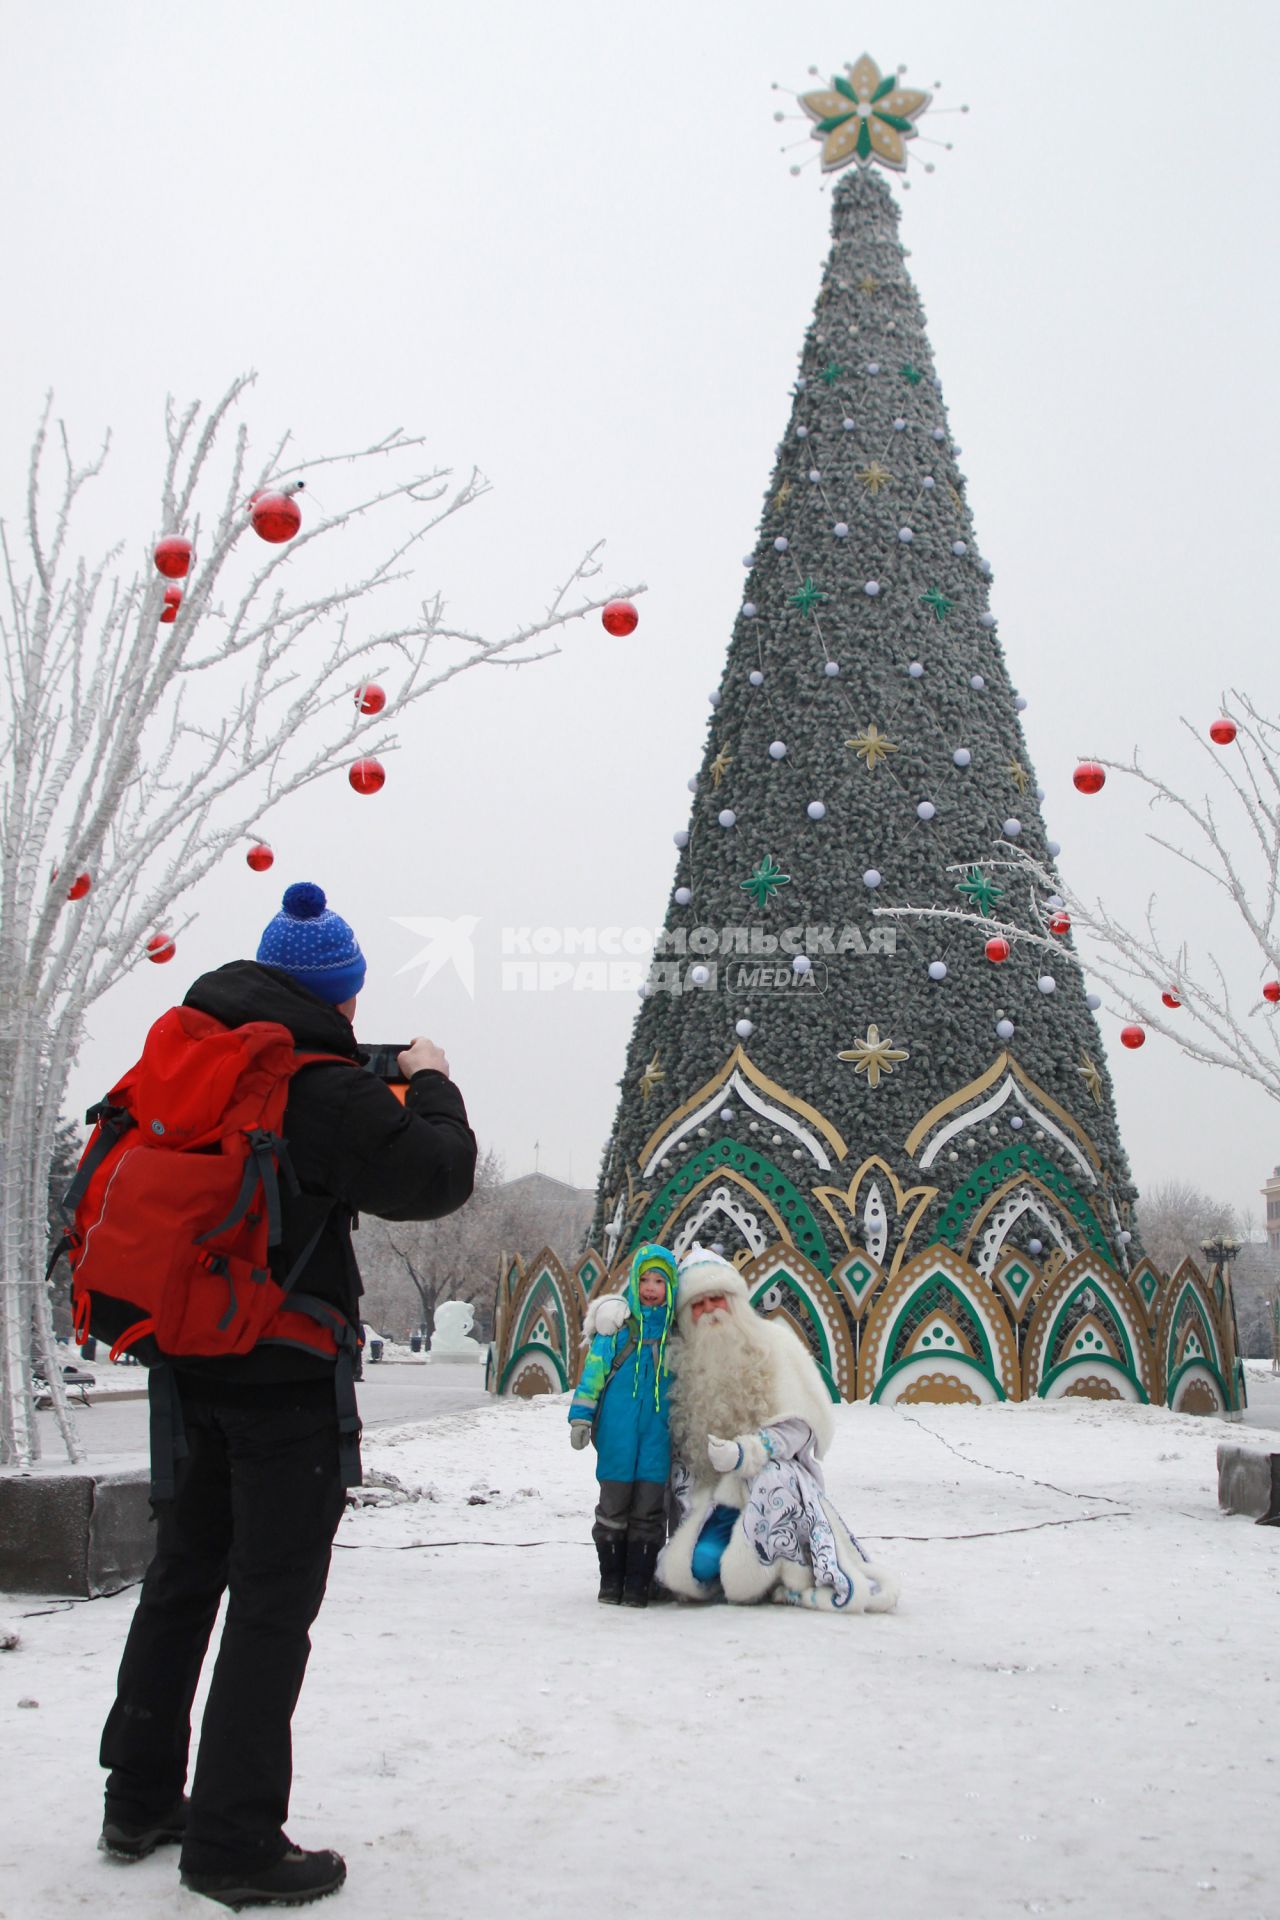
<point>579,1434</point>
<point>608,1315</point>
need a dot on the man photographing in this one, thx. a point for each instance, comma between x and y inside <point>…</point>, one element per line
<point>258,1494</point>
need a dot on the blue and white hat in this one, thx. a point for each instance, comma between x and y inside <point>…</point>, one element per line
<point>314,945</point>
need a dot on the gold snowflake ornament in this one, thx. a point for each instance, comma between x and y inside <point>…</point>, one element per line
<point>864,118</point>
<point>650,1078</point>
<point>873,1056</point>
<point>872,746</point>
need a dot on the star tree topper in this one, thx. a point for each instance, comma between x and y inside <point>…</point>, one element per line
<point>864,118</point>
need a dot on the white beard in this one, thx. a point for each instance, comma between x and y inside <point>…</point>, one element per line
<point>735,1373</point>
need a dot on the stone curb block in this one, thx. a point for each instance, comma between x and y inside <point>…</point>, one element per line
<point>74,1533</point>
<point>1249,1482</point>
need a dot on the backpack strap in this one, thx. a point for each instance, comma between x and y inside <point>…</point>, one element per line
<point>168,1433</point>
<point>259,1171</point>
<point>112,1124</point>
<point>344,1380</point>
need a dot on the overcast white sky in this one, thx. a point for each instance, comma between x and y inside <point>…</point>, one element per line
<point>562,241</point>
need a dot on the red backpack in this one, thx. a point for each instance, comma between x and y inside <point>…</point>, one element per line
<point>177,1200</point>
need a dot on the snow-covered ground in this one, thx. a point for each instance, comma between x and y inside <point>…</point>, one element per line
<point>1075,1711</point>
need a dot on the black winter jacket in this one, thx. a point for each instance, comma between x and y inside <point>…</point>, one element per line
<point>354,1148</point>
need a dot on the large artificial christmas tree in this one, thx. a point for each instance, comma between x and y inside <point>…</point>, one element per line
<point>903,1133</point>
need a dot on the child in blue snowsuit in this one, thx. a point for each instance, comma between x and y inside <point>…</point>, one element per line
<point>622,1403</point>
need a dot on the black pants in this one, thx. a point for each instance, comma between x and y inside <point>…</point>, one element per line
<point>257,1503</point>
<point>637,1508</point>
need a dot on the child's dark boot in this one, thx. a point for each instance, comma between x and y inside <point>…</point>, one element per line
<point>642,1558</point>
<point>612,1549</point>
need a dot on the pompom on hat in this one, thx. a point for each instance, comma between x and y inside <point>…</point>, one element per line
<point>703,1273</point>
<point>313,945</point>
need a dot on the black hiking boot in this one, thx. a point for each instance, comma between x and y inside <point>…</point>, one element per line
<point>612,1550</point>
<point>288,1882</point>
<point>642,1557</point>
<point>135,1839</point>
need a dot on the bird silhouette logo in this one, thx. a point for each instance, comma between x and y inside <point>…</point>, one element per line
<point>446,942</point>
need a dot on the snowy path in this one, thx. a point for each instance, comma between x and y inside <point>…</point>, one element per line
<point>1076,1720</point>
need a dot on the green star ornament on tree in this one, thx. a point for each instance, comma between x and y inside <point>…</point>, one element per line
<point>980,891</point>
<point>808,597</point>
<point>938,601</point>
<point>765,881</point>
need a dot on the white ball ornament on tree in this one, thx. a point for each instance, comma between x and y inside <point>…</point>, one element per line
<point>841,530</point>
<point>832,669</point>
<point>986,619</point>
<point>871,878</point>
<point>899,425</point>
<point>1054,848</point>
<point>926,810</point>
<point>727,817</point>
<point>928,482</point>
<point>756,677</point>
<point>744,1029</point>
<point>781,544</point>
<point>681,838</point>
<point>916,670</point>
<point>848,425</point>
<point>1035,1247</point>
<point>802,433</point>
<point>1005,1029</point>
<point>749,610</point>
<point>713,699</point>
<point>906,536</point>
<point>777,750</point>
<point>814,476</point>
<point>871,588</point>
<point>1020,706</point>
<point>801,964</point>
<point>959,548</point>
<point>1047,983</point>
<point>937,969</point>
<point>699,975</point>
<point>962,757</point>
<point>1011,829</point>
<point>816,810</point>
<point>1093,1001</point>
<point>977,682</point>
<point>683,896</point>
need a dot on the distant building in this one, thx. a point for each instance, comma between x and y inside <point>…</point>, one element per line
<point>1271,1194</point>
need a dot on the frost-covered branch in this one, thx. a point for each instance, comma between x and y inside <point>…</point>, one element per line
<point>140,749</point>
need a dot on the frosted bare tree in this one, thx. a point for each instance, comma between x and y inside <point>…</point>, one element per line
<point>138,750</point>
<point>1230,839</point>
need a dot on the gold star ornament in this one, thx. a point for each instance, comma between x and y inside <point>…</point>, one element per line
<point>649,1079</point>
<point>864,117</point>
<point>873,1056</point>
<point>874,476</point>
<point>720,766</point>
<point>1088,1071</point>
<point>1019,775</point>
<point>871,746</point>
<point>868,284</point>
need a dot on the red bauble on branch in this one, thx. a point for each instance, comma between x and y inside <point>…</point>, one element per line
<point>1223,732</point>
<point>1089,777</point>
<point>80,886</point>
<point>260,857</point>
<point>160,947</point>
<point>172,601</point>
<point>1133,1036</point>
<point>275,516</point>
<point>172,556</point>
<point>370,698</point>
<point>1271,991</point>
<point>367,776</point>
<point>1170,999</point>
<point>619,617</point>
<point>1060,923</point>
<point>997,949</point>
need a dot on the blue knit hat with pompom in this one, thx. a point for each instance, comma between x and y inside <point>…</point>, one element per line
<point>313,945</point>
